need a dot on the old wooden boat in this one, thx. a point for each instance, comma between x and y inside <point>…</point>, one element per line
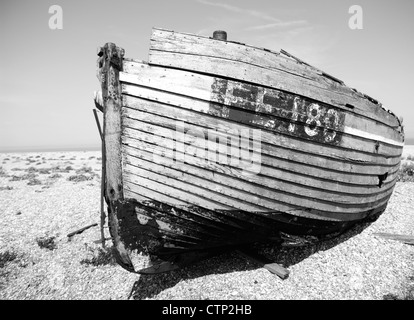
<point>213,144</point>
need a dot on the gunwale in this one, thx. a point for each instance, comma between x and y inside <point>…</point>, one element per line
<point>170,43</point>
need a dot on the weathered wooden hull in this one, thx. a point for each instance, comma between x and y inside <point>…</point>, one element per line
<point>214,144</point>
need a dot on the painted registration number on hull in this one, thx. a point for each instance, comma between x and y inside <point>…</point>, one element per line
<point>277,111</point>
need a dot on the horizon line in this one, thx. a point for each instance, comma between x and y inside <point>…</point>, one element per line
<point>94,147</point>
<point>49,148</point>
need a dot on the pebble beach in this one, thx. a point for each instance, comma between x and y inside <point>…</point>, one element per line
<point>44,196</point>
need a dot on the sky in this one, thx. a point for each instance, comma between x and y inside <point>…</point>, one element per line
<point>48,76</point>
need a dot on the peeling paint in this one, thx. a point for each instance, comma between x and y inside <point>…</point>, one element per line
<point>142,219</point>
<point>277,111</point>
<point>165,226</point>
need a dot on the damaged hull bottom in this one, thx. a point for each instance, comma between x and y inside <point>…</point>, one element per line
<point>174,237</point>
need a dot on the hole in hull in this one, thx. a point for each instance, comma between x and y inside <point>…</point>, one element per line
<point>382,178</point>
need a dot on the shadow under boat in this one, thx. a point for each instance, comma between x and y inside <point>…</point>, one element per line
<point>229,260</point>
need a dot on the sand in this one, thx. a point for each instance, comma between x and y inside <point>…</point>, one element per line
<point>45,196</point>
<point>408,153</point>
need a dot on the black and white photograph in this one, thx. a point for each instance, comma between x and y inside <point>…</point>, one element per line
<point>206,154</point>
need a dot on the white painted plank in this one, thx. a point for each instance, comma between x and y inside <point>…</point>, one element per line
<point>200,87</point>
<point>272,78</point>
<point>152,109</point>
